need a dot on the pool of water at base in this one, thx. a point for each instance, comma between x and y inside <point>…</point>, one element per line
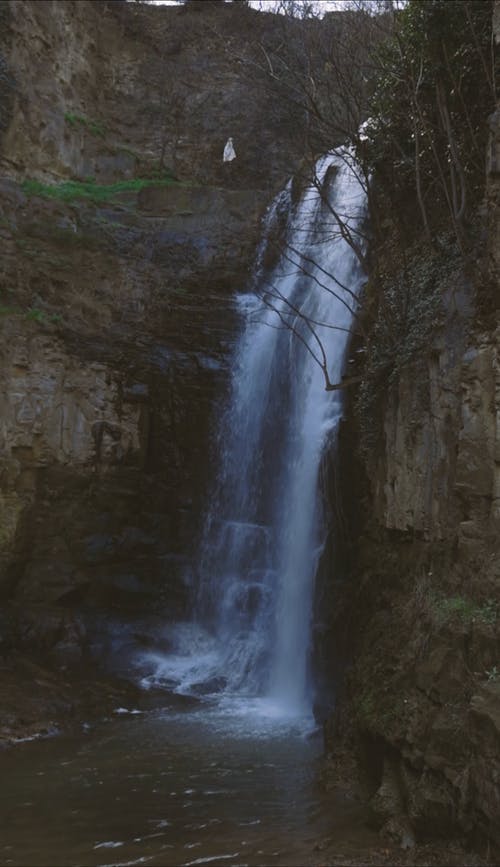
<point>232,784</point>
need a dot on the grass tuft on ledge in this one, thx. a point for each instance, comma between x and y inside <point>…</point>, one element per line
<point>93,126</point>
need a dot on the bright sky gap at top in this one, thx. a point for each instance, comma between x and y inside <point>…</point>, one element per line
<point>321,6</point>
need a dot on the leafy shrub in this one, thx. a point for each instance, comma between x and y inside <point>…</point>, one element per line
<point>36,315</point>
<point>409,313</point>
<point>434,88</point>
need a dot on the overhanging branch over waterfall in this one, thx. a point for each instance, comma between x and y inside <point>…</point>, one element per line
<point>311,254</point>
<point>288,316</point>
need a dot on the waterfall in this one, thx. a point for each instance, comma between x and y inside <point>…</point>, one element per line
<point>265,528</point>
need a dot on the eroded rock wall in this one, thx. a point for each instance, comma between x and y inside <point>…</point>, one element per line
<point>116,329</point>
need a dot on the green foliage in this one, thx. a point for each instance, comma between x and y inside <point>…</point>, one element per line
<point>78,120</point>
<point>7,310</point>
<point>411,308</point>
<point>493,674</point>
<point>487,612</point>
<point>409,311</point>
<point>424,147</point>
<point>34,314</point>
<point>98,193</point>
<point>375,710</point>
<point>433,93</point>
<point>465,610</point>
<point>454,607</point>
<point>366,709</point>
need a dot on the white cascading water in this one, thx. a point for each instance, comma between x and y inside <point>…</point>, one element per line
<point>265,530</point>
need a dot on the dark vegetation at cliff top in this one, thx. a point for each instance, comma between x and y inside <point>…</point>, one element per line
<point>424,148</point>
<point>426,138</point>
<point>412,88</point>
<point>420,78</point>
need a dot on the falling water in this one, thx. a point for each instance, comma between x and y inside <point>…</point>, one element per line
<point>265,530</point>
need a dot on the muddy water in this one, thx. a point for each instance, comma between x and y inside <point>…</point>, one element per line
<point>227,786</point>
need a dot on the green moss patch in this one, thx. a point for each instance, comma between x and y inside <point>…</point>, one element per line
<point>69,191</point>
<point>465,610</point>
<point>8,310</point>
<point>79,120</point>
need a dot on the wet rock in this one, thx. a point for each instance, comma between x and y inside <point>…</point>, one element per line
<point>485,708</point>
<point>99,547</point>
<point>398,829</point>
<point>39,699</point>
<point>209,686</point>
<point>47,628</point>
<point>135,540</point>
<point>166,698</point>
<point>387,801</point>
<point>136,393</point>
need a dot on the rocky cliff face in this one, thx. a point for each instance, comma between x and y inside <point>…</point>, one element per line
<point>422,693</point>
<point>112,90</point>
<point>116,325</point>
<point>115,312</point>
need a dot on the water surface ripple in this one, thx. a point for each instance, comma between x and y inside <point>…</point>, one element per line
<point>209,786</point>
